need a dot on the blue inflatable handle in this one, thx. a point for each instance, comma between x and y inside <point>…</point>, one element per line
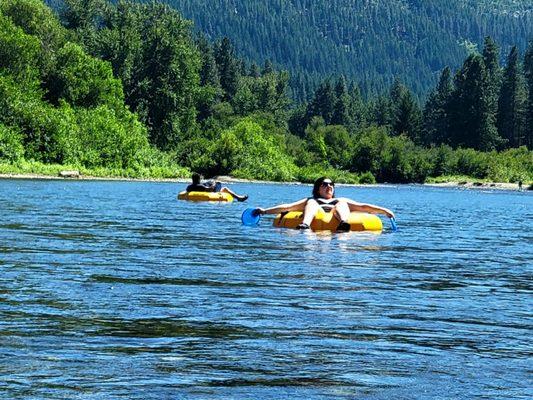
<point>393,225</point>
<point>249,217</point>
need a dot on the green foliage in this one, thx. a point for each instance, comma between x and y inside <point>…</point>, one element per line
<point>403,162</point>
<point>367,150</point>
<point>512,103</point>
<point>390,159</point>
<point>296,148</point>
<point>11,148</point>
<point>472,163</point>
<point>170,73</point>
<point>511,165</point>
<point>246,150</point>
<point>42,31</point>
<point>83,81</point>
<point>159,171</point>
<point>436,112</point>
<point>444,160</point>
<point>329,143</point>
<point>42,126</point>
<point>314,136</point>
<point>310,173</point>
<point>151,50</point>
<point>266,93</point>
<point>19,53</point>
<point>104,139</point>
<point>35,19</point>
<point>86,124</point>
<point>81,15</point>
<point>198,155</point>
<point>367,178</point>
<point>528,73</point>
<point>323,103</point>
<point>228,68</point>
<point>472,122</point>
<point>407,117</point>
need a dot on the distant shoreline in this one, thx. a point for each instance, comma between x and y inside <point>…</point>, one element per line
<point>229,179</point>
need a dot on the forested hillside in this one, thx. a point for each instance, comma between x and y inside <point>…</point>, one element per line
<point>369,41</point>
<point>129,88</point>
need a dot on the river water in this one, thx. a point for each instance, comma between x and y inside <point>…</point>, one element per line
<point>115,290</point>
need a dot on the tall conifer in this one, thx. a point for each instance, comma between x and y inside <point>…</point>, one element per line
<point>406,114</point>
<point>341,107</point>
<point>491,55</point>
<point>436,111</point>
<point>512,102</point>
<point>357,107</point>
<point>268,68</point>
<point>227,67</point>
<point>472,124</point>
<point>208,70</point>
<point>254,72</point>
<point>528,71</point>
<point>323,103</point>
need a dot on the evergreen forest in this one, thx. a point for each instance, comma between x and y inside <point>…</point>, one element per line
<point>368,41</point>
<point>133,89</point>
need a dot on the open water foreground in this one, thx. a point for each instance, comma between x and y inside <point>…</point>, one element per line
<point>117,290</point>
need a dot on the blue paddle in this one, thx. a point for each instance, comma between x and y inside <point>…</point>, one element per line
<point>250,217</point>
<point>393,225</point>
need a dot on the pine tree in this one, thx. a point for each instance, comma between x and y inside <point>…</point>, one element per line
<point>528,71</point>
<point>408,117</point>
<point>323,103</point>
<point>512,102</point>
<point>382,111</point>
<point>357,110</point>
<point>208,71</point>
<point>268,68</point>
<point>227,67</point>
<point>396,92</point>
<point>406,114</point>
<point>341,108</point>
<point>254,72</point>
<point>436,124</point>
<point>472,124</point>
<point>491,55</point>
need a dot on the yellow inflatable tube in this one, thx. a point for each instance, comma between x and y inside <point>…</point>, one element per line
<point>325,221</point>
<point>205,196</point>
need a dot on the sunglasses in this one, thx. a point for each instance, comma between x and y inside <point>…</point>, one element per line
<point>326,184</point>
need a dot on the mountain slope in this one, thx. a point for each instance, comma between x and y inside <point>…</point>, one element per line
<point>370,41</point>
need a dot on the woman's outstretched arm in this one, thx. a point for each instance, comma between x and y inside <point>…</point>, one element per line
<point>296,206</point>
<point>369,208</point>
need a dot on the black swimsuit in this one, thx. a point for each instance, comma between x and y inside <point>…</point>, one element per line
<point>327,205</point>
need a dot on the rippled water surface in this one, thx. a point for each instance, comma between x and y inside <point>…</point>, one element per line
<point>118,290</point>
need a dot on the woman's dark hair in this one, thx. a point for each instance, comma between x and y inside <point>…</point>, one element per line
<point>196,178</point>
<point>316,187</point>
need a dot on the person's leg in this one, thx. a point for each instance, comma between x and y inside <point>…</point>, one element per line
<point>310,210</point>
<point>238,197</point>
<point>342,212</point>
